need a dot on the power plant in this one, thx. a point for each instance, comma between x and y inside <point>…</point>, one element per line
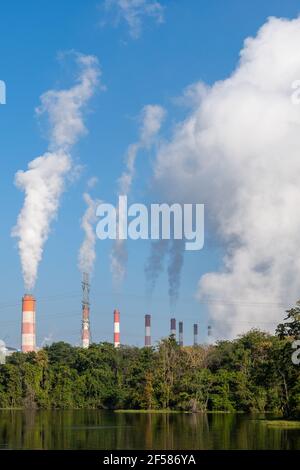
<point>28,329</point>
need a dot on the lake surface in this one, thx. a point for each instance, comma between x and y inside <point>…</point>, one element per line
<point>107,430</point>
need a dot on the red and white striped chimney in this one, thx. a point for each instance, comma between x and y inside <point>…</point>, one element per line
<point>28,324</point>
<point>116,328</point>
<point>147,330</point>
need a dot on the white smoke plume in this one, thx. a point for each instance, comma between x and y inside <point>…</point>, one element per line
<point>238,151</point>
<point>152,117</point>
<point>44,180</point>
<point>87,252</point>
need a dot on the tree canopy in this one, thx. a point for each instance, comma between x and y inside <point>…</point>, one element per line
<point>251,373</point>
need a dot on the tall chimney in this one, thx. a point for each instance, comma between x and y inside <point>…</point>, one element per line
<point>173,328</point>
<point>195,334</point>
<point>147,330</point>
<point>116,328</point>
<point>180,333</point>
<point>28,324</point>
<point>85,329</point>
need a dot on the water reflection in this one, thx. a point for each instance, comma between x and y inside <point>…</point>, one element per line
<point>82,429</point>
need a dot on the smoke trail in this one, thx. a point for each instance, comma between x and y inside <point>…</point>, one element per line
<point>87,252</point>
<point>44,181</point>
<point>152,117</point>
<point>176,257</point>
<point>155,263</point>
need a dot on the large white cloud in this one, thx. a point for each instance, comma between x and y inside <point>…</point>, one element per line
<point>238,151</point>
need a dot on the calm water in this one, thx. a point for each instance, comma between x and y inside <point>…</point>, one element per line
<point>108,430</point>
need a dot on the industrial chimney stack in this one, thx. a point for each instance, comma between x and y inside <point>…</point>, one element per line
<point>180,333</point>
<point>85,331</point>
<point>195,334</point>
<point>116,328</point>
<point>147,330</point>
<point>173,328</point>
<point>28,324</point>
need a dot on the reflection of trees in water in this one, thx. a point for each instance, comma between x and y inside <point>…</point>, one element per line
<point>84,429</point>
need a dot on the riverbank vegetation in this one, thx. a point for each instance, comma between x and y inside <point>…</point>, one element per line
<point>253,373</point>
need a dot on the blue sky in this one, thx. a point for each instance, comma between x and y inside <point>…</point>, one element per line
<point>196,41</point>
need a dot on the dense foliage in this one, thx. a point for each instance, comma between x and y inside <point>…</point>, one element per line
<point>252,373</point>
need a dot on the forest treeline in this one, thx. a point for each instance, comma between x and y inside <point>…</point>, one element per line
<point>255,372</point>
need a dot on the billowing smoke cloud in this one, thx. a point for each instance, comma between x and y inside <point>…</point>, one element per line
<point>43,182</point>
<point>87,252</point>
<point>152,117</point>
<point>238,151</point>
<point>134,11</point>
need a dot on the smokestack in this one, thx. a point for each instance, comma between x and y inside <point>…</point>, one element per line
<point>209,330</point>
<point>195,334</point>
<point>116,328</point>
<point>173,328</point>
<point>28,324</point>
<point>85,331</point>
<point>147,330</point>
<point>180,333</point>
